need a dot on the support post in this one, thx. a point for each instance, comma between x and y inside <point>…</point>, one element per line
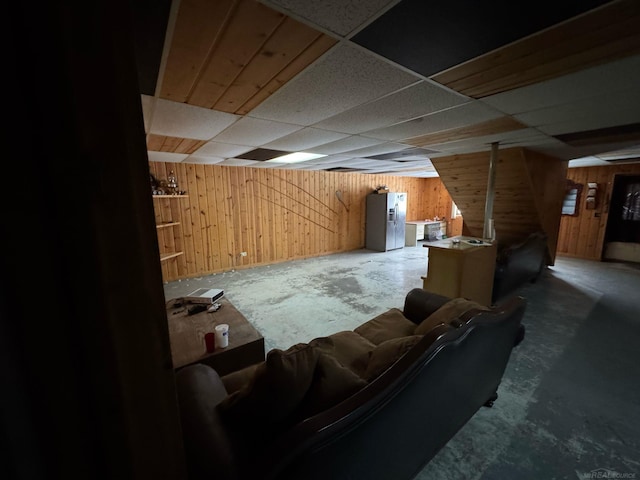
<point>491,191</point>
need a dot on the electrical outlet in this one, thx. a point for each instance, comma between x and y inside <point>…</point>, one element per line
<point>243,254</point>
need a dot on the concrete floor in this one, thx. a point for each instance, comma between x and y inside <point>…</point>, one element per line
<point>569,402</point>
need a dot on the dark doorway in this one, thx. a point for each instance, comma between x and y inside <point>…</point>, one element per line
<point>622,236</point>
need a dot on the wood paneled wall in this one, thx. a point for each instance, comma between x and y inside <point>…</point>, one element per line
<point>548,182</point>
<point>438,203</point>
<point>272,215</point>
<point>583,235</point>
<point>280,215</point>
<point>529,188</point>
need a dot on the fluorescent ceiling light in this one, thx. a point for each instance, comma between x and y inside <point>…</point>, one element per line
<point>296,157</point>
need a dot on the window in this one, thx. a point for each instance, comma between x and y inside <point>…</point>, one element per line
<point>571,198</point>
<point>454,211</point>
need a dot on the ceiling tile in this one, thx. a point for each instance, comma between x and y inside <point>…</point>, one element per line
<point>415,165</point>
<point>350,103</point>
<point>342,79</point>
<point>166,157</point>
<point>346,144</point>
<point>311,167</point>
<point>378,164</point>
<point>262,154</point>
<point>606,110</point>
<point>417,174</point>
<point>629,135</point>
<point>622,117</point>
<point>460,116</point>
<point>337,16</point>
<point>304,139</point>
<point>291,166</point>
<point>406,154</point>
<point>344,169</point>
<point>180,120</point>
<point>358,162</point>
<point>225,150</point>
<point>511,138</point>
<point>629,153</point>
<point>415,101</point>
<point>237,162</point>
<point>255,131</point>
<point>202,159</point>
<point>269,165</point>
<point>587,162</point>
<point>379,149</point>
<point>617,76</point>
<point>411,169</point>
<point>429,37</point>
<point>564,151</point>
<point>329,159</point>
<point>496,126</point>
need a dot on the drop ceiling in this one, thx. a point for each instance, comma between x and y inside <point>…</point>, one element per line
<point>384,86</point>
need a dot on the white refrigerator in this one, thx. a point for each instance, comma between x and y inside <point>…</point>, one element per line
<point>385,221</point>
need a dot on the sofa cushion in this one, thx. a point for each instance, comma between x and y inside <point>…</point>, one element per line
<point>448,313</point>
<point>239,379</point>
<point>388,325</point>
<point>387,353</point>
<point>348,348</point>
<point>332,383</point>
<point>275,390</point>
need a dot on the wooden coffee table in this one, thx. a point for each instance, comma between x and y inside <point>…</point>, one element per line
<point>186,333</point>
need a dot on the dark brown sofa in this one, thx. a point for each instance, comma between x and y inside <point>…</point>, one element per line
<point>377,402</point>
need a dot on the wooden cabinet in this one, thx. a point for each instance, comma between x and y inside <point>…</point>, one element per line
<point>168,225</point>
<point>458,268</point>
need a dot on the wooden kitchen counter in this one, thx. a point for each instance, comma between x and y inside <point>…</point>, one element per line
<point>461,269</point>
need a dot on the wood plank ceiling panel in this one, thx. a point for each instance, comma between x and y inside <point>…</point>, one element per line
<point>491,127</point>
<point>601,35</point>
<point>162,143</point>
<point>231,55</point>
<point>197,26</point>
<point>288,41</point>
<point>249,26</point>
<point>302,61</point>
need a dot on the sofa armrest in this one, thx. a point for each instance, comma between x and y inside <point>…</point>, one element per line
<point>419,304</point>
<point>208,448</point>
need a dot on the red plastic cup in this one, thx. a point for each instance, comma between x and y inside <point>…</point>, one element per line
<point>210,341</point>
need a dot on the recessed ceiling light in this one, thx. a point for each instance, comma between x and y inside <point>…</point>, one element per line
<point>296,157</point>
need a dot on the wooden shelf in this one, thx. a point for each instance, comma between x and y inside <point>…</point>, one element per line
<point>168,215</point>
<point>168,224</point>
<point>167,256</point>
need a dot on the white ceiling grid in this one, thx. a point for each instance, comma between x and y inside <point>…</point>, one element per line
<point>351,104</point>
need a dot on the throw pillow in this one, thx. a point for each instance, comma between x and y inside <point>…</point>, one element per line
<point>239,379</point>
<point>332,383</point>
<point>387,353</point>
<point>447,313</point>
<point>348,348</point>
<point>276,389</point>
<point>388,325</point>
